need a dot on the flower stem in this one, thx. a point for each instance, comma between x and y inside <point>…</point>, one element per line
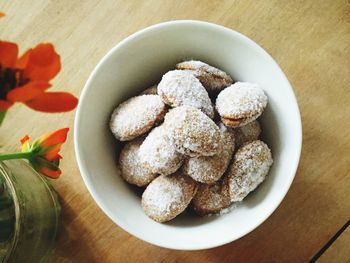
<point>20,155</point>
<point>2,116</point>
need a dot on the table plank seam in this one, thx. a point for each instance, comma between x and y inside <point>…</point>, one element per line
<point>330,242</point>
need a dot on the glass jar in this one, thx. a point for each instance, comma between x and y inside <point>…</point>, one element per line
<point>30,214</point>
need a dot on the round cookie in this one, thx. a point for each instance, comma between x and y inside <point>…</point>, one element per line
<point>247,133</point>
<point>213,79</point>
<point>251,164</point>
<point>179,87</point>
<point>240,103</point>
<point>210,199</point>
<point>168,196</point>
<point>131,169</point>
<point>209,169</point>
<point>150,91</point>
<point>158,154</point>
<point>192,132</point>
<point>136,116</point>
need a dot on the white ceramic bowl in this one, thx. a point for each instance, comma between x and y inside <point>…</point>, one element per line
<point>140,61</point>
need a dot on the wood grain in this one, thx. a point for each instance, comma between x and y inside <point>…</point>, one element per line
<point>311,42</point>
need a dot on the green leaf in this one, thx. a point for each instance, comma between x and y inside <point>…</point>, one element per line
<point>2,116</point>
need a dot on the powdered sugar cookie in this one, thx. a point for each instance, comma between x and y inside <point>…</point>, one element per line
<point>136,116</point>
<point>158,154</point>
<point>209,169</point>
<point>168,196</point>
<point>247,133</point>
<point>150,91</point>
<point>210,199</point>
<point>213,79</point>
<point>131,169</point>
<point>179,87</point>
<point>241,103</point>
<point>192,132</point>
<point>250,166</point>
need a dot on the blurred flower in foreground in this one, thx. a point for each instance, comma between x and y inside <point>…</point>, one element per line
<point>26,79</point>
<point>43,153</point>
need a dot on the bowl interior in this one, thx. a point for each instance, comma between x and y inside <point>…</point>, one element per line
<point>139,62</point>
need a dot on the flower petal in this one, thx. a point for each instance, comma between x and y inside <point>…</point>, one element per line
<point>24,139</point>
<point>22,62</point>
<point>8,54</point>
<point>53,102</point>
<point>52,153</point>
<point>28,91</point>
<point>2,14</point>
<point>53,138</point>
<point>46,167</point>
<point>25,146</point>
<point>4,105</point>
<point>41,62</point>
<point>50,173</point>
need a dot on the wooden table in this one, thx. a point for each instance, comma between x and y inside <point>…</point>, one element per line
<point>311,42</point>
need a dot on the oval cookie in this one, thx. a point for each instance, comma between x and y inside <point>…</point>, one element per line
<point>179,87</point>
<point>150,91</point>
<point>131,169</point>
<point>213,79</point>
<point>158,154</point>
<point>210,199</point>
<point>192,132</point>
<point>209,169</point>
<point>168,196</point>
<point>136,116</point>
<point>250,166</point>
<point>247,133</point>
<point>241,103</point>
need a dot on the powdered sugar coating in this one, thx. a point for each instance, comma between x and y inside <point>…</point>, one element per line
<point>228,209</point>
<point>168,196</point>
<point>250,166</point>
<point>131,169</point>
<point>158,154</point>
<point>136,116</point>
<point>209,169</point>
<point>192,132</point>
<point>179,88</point>
<point>213,79</point>
<point>247,133</point>
<point>150,91</point>
<point>210,199</point>
<point>241,103</point>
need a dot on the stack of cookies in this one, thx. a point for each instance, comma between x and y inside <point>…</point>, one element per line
<point>192,141</point>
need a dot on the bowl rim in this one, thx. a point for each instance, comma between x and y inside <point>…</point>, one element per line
<point>77,130</point>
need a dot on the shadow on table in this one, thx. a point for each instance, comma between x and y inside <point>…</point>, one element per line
<point>294,233</point>
<point>70,243</point>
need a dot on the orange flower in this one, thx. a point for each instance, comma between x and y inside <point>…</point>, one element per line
<point>26,79</point>
<point>43,153</point>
